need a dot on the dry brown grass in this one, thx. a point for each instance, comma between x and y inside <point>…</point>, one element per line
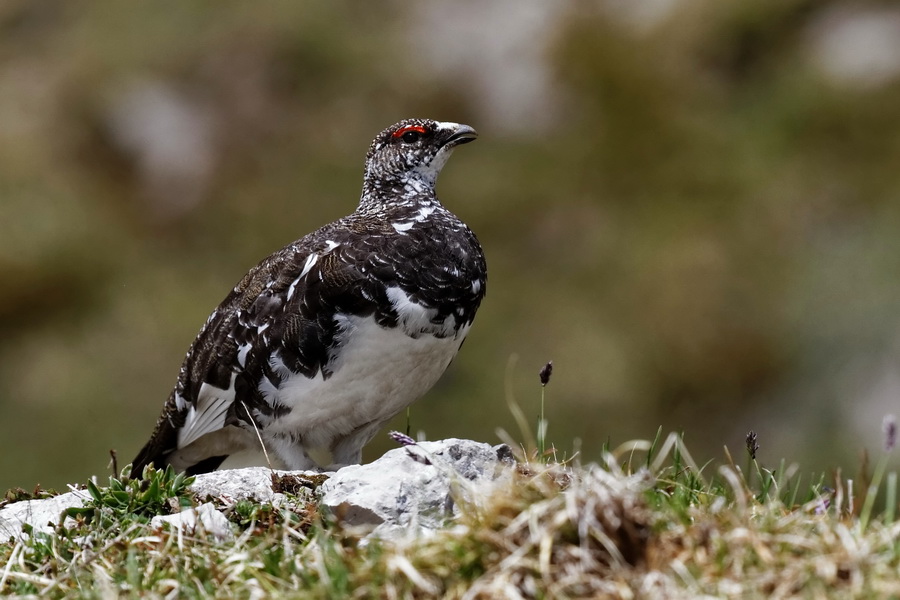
<point>663,529</point>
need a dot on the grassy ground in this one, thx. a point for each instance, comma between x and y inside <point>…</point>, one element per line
<point>649,523</point>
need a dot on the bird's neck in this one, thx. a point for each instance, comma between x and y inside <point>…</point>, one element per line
<point>387,195</point>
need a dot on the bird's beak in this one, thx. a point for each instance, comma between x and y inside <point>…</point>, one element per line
<point>457,134</point>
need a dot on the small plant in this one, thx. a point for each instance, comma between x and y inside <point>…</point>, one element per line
<point>18,494</point>
<point>544,375</point>
<point>158,492</point>
<point>889,427</point>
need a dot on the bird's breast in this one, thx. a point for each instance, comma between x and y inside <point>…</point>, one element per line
<point>376,372</point>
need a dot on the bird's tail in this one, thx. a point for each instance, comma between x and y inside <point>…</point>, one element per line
<point>163,441</point>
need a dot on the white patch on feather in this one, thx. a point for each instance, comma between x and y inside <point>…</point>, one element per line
<point>208,414</point>
<point>276,363</point>
<point>402,227</point>
<point>291,287</point>
<point>310,261</point>
<point>416,319</point>
<point>424,213</point>
<point>268,390</point>
<point>243,350</point>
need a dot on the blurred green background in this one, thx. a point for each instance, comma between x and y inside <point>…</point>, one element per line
<point>691,206</point>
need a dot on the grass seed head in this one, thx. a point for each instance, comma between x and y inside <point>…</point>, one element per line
<point>546,372</point>
<point>752,444</point>
<point>889,426</point>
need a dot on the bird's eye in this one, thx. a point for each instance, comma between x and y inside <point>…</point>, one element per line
<point>410,134</point>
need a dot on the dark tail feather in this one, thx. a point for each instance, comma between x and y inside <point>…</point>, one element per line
<point>161,444</point>
<point>150,454</point>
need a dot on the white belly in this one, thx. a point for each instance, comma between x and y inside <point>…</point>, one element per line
<point>379,373</point>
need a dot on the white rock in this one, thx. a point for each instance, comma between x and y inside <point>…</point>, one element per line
<point>210,520</point>
<point>409,490</point>
<point>43,514</point>
<point>416,488</point>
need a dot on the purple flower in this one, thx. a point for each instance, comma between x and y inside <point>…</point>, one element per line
<point>402,438</point>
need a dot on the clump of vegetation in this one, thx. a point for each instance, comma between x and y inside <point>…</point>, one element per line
<point>18,494</point>
<point>159,492</point>
<point>646,521</point>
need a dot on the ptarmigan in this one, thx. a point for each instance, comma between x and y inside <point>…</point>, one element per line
<point>330,337</point>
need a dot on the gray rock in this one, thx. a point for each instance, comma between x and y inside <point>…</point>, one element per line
<point>251,483</point>
<point>254,483</point>
<point>43,514</point>
<point>206,515</point>
<point>415,488</point>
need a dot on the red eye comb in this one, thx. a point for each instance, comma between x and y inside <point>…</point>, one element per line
<point>408,128</point>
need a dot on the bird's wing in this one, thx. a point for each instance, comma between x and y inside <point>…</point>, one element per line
<point>286,304</point>
<point>279,322</point>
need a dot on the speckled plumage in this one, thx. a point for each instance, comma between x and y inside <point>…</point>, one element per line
<point>334,334</point>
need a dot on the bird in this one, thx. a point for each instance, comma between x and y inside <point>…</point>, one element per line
<point>328,338</point>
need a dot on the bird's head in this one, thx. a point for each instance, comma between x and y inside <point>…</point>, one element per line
<point>414,151</point>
